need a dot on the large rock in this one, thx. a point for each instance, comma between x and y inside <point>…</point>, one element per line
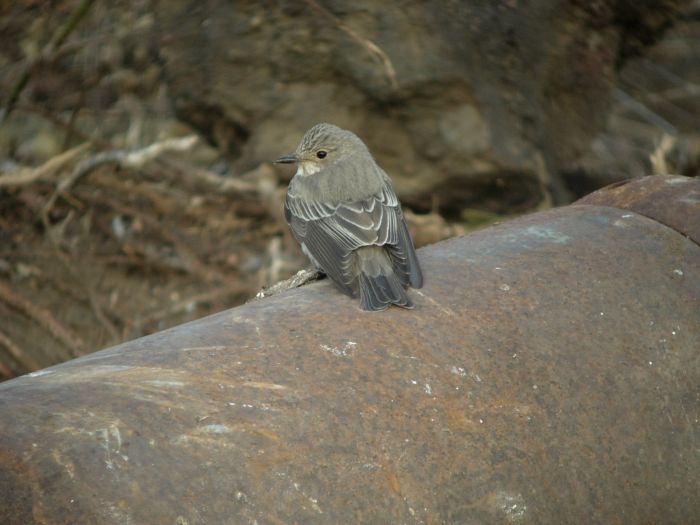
<point>549,374</point>
<point>469,101</point>
<point>480,103</point>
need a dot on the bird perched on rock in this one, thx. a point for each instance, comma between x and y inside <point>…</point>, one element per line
<point>343,211</point>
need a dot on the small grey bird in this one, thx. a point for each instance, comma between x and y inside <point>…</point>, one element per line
<point>343,211</point>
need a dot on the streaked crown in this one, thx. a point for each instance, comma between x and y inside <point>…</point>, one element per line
<point>331,138</point>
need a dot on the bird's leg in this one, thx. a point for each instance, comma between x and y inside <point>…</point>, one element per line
<point>300,278</point>
<point>303,277</point>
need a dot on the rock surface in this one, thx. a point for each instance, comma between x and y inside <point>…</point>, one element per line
<point>480,103</point>
<point>468,101</point>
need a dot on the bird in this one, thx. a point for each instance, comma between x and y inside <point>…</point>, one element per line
<point>342,209</point>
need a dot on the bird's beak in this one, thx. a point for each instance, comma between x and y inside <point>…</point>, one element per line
<point>287,159</point>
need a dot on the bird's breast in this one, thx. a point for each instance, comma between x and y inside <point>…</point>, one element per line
<point>338,182</point>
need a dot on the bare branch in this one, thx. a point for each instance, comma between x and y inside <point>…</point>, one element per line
<point>25,360</point>
<point>45,318</point>
<point>29,175</point>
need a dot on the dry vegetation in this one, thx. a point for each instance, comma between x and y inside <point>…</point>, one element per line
<point>104,246</point>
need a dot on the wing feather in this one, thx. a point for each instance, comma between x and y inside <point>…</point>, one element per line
<point>332,232</point>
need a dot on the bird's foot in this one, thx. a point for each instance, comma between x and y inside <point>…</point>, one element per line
<point>300,278</point>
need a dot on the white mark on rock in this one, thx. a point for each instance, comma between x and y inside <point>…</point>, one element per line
<point>432,301</point>
<point>66,463</point>
<point>344,351</point>
<point>512,505</point>
<point>428,389</point>
<point>172,384</point>
<point>678,271</point>
<point>676,180</point>
<point>313,501</point>
<point>504,287</point>
<point>203,348</point>
<point>547,234</point>
<point>40,373</point>
<point>216,429</point>
<point>458,371</point>
<point>111,441</point>
<point>265,386</point>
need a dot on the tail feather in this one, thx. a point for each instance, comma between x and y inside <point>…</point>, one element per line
<point>378,285</point>
<point>377,293</point>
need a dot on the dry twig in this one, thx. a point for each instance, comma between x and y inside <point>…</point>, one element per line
<point>5,372</point>
<point>71,130</point>
<point>191,260</point>
<point>53,46</point>
<point>658,157</point>
<point>126,159</point>
<point>25,360</point>
<point>185,304</point>
<point>26,176</point>
<point>45,318</point>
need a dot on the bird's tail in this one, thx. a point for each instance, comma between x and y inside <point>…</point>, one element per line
<point>379,286</point>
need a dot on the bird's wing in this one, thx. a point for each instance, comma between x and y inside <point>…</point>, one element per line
<point>403,256</point>
<point>330,233</point>
<point>401,249</point>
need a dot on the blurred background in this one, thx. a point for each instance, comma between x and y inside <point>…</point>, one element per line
<point>136,138</point>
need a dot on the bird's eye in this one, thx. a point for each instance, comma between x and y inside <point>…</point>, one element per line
<point>321,154</point>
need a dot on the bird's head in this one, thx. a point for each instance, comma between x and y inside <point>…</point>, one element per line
<point>325,146</point>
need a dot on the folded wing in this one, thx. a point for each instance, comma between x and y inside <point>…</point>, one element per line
<point>331,233</point>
